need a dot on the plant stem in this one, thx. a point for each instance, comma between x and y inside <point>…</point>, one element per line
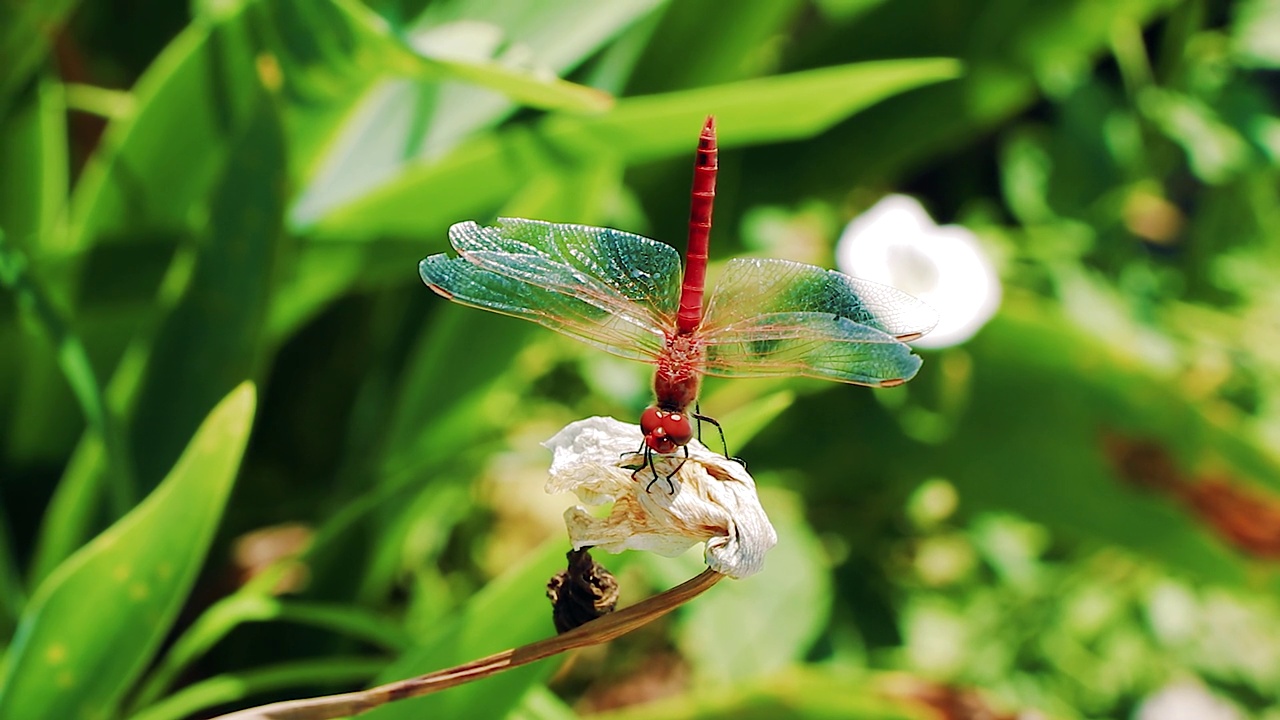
<point>595,632</point>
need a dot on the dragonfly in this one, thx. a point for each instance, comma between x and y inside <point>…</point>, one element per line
<point>630,296</point>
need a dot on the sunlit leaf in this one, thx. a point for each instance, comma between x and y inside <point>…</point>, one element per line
<point>474,179</point>
<point>1256,32</point>
<point>757,626</point>
<point>75,659</point>
<point>1215,151</point>
<point>399,121</point>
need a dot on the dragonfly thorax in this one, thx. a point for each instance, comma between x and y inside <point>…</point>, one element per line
<point>675,384</point>
<point>664,430</point>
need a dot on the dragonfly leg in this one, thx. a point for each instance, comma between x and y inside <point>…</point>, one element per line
<point>697,415</point>
<point>648,462</point>
<point>723,445</point>
<point>642,449</point>
<point>653,469</point>
<point>671,486</point>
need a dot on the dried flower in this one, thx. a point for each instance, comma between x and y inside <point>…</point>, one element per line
<point>709,498</point>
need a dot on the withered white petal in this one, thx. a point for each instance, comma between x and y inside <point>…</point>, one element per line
<point>710,498</point>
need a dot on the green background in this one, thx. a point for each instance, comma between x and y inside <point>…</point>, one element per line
<point>246,456</point>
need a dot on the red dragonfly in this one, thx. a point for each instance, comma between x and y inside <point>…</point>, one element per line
<point>626,294</point>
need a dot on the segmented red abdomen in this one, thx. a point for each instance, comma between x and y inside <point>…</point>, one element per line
<point>695,263</point>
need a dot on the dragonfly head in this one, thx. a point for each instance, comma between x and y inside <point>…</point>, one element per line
<point>664,430</point>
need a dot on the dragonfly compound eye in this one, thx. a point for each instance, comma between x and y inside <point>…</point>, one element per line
<point>660,443</point>
<point>678,428</point>
<point>651,420</point>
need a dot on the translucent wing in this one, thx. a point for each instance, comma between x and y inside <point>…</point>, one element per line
<point>774,317</point>
<point>610,289</point>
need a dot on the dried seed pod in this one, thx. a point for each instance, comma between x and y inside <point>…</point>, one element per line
<point>582,592</point>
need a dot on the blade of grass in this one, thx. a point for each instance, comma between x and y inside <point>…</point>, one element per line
<point>34,166</point>
<point>26,30</point>
<point>213,338</point>
<point>249,606</point>
<point>474,179</point>
<point>400,121</point>
<point>229,688</point>
<point>13,595</point>
<point>74,362</point>
<point>93,625</point>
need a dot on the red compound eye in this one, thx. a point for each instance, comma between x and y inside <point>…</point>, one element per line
<point>650,420</point>
<point>660,444</point>
<point>665,431</point>
<point>678,428</point>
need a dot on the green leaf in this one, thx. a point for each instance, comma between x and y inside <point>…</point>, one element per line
<point>34,165</point>
<point>431,421</point>
<point>400,121</point>
<point>475,179</point>
<point>25,31</point>
<point>1045,455</point>
<point>248,605</point>
<point>13,595</point>
<point>746,44</point>
<point>232,687</point>
<point>1026,411</point>
<point>757,626</point>
<point>541,703</point>
<point>94,624</point>
<point>1215,151</point>
<point>1255,33</point>
<point>341,45</point>
<point>73,360</point>
<point>1005,45</point>
<point>764,110</point>
<point>510,611</point>
<point>215,332</point>
<point>75,507</point>
<point>520,86</point>
<point>33,190</point>
<point>191,103</point>
<point>809,693</point>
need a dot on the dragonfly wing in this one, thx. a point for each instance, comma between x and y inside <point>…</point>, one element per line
<point>618,271</point>
<point>611,289</point>
<point>775,317</point>
<point>810,345</point>
<point>752,286</point>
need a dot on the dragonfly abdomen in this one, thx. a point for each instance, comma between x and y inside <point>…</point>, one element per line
<point>704,196</point>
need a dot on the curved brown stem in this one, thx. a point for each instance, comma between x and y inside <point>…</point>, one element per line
<point>595,632</point>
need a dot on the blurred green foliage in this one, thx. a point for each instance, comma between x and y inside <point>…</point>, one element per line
<point>1070,513</point>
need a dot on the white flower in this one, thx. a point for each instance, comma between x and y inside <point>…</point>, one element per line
<point>896,243</point>
<point>1186,700</point>
<point>709,498</point>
